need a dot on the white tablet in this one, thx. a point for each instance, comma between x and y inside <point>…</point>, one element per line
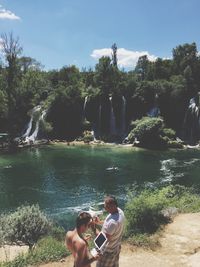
<point>100,240</point>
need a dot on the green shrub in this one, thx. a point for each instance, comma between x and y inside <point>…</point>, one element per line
<point>145,214</point>
<point>57,232</point>
<point>27,224</point>
<point>47,249</point>
<point>170,133</point>
<point>87,136</point>
<point>148,132</point>
<point>174,144</point>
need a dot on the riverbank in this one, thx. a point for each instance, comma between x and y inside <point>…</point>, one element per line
<point>179,247</point>
<point>43,142</point>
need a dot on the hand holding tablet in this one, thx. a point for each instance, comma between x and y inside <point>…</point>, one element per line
<point>100,242</point>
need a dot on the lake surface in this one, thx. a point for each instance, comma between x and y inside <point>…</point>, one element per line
<point>66,179</point>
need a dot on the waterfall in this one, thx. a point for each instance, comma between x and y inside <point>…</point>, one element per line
<point>112,119</point>
<point>191,126</point>
<point>33,136</point>
<point>123,117</point>
<point>29,127</point>
<point>30,124</point>
<point>84,106</point>
<point>96,126</point>
<point>31,131</point>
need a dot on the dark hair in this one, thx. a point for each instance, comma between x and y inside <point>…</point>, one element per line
<point>83,219</point>
<point>111,200</point>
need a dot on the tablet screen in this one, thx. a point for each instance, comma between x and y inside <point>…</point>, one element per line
<point>100,240</point>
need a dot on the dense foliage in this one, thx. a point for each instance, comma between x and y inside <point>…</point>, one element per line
<point>27,224</point>
<point>166,83</point>
<point>149,210</point>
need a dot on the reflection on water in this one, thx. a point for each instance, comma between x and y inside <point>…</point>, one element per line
<point>67,179</point>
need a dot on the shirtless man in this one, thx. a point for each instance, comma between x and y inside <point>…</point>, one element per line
<point>77,244</point>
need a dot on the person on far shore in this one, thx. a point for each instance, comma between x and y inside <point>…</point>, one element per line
<point>77,244</point>
<point>113,227</point>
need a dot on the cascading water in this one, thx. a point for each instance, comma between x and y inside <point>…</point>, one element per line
<point>123,118</point>
<point>32,138</point>
<point>191,126</point>
<point>30,124</point>
<point>28,129</point>
<point>98,120</point>
<point>32,129</point>
<point>84,106</point>
<point>113,130</point>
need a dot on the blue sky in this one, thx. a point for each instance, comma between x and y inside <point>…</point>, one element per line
<point>66,32</point>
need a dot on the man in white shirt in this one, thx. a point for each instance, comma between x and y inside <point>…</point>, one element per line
<point>113,228</point>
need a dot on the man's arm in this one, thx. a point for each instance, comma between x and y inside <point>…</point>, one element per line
<point>68,242</point>
<point>96,223</point>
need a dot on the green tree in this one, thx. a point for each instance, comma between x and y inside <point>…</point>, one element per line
<point>66,112</point>
<point>185,63</point>
<point>142,67</point>
<point>27,63</point>
<point>162,69</point>
<point>69,74</point>
<point>11,50</point>
<point>114,55</point>
<point>103,77</point>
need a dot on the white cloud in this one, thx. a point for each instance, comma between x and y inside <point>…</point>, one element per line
<point>126,58</point>
<point>7,14</point>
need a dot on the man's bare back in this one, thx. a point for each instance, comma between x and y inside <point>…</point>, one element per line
<point>76,243</point>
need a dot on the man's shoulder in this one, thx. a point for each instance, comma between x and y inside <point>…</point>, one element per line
<point>69,234</point>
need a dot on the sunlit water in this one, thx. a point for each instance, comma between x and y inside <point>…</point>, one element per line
<point>66,179</point>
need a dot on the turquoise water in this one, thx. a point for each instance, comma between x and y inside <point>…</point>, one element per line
<point>66,179</point>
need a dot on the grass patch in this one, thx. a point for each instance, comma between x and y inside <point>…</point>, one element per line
<point>149,211</point>
<point>47,249</point>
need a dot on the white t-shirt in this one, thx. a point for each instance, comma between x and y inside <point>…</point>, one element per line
<point>114,225</point>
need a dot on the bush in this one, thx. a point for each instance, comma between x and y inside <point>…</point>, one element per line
<point>148,132</point>
<point>174,144</point>
<point>170,133</point>
<point>145,214</point>
<point>88,136</point>
<point>47,249</point>
<point>27,224</point>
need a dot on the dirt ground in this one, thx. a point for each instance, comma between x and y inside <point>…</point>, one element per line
<point>180,247</point>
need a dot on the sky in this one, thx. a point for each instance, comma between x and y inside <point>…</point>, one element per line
<point>79,32</point>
